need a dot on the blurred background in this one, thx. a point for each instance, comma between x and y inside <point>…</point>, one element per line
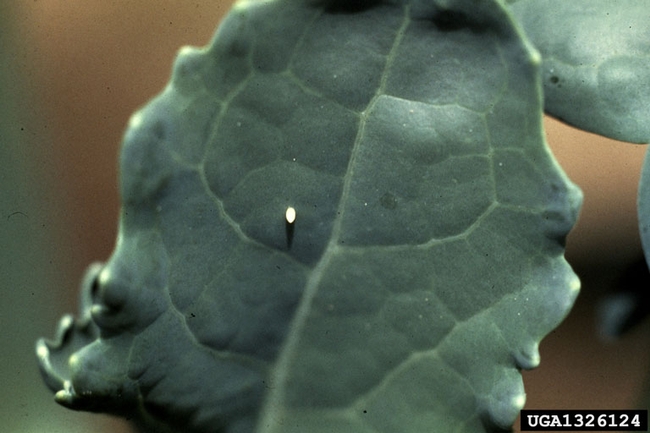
<point>70,77</point>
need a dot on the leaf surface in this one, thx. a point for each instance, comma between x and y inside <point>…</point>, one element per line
<point>425,262</point>
<point>596,62</point>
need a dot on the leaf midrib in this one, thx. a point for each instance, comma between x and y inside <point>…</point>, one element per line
<point>279,375</point>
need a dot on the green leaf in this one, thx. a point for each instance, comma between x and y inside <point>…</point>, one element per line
<point>644,206</point>
<point>596,68</point>
<point>425,262</point>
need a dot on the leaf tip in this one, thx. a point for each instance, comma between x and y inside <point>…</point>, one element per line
<point>574,284</point>
<point>519,401</point>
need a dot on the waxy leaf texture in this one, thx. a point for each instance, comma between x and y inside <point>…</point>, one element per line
<point>423,266</point>
<point>596,72</point>
<point>596,67</point>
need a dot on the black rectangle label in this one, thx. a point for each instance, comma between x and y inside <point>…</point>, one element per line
<point>584,420</point>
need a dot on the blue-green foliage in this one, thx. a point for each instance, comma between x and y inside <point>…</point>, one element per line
<point>425,263</point>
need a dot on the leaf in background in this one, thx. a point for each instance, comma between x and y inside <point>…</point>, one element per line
<point>425,262</point>
<point>644,206</point>
<point>596,62</point>
<point>627,303</point>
